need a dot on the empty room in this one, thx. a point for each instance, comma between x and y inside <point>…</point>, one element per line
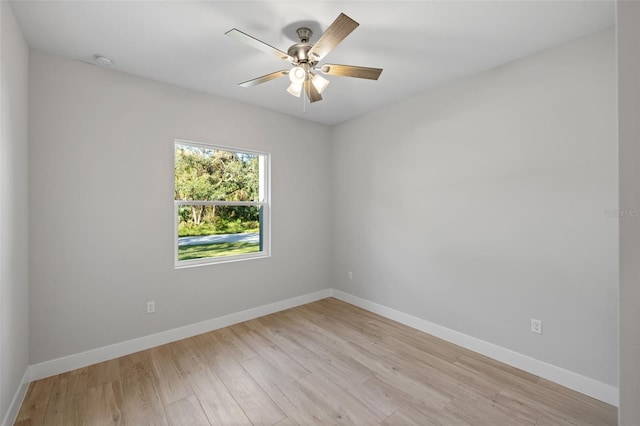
<point>292,213</point>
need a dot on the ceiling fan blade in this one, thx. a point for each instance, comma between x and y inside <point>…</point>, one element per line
<point>312,92</point>
<point>337,31</point>
<point>351,71</point>
<point>260,45</point>
<point>264,78</point>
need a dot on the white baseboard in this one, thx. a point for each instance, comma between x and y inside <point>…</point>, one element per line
<point>575,381</point>
<point>83,359</point>
<point>582,384</point>
<point>18,398</point>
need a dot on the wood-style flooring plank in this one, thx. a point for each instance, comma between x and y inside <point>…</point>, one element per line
<point>326,362</point>
<point>483,411</point>
<point>186,412</point>
<point>290,397</point>
<point>287,422</point>
<point>172,385</point>
<point>104,372</point>
<point>76,381</point>
<point>74,410</point>
<point>217,403</point>
<point>256,404</point>
<point>36,401</point>
<point>330,346</point>
<point>398,418</point>
<point>602,409</point>
<point>105,401</point>
<point>413,418</point>
<point>341,400</point>
<point>142,404</point>
<point>241,350</point>
<point>269,350</point>
<point>287,337</point>
<point>550,406</point>
<point>418,416</point>
<point>342,409</point>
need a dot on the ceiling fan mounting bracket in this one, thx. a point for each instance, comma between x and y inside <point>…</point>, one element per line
<point>304,34</point>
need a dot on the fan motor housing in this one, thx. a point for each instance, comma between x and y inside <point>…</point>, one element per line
<point>299,52</point>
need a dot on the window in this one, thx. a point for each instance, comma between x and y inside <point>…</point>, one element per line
<point>221,198</point>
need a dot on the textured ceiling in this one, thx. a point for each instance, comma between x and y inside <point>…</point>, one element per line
<point>420,44</point>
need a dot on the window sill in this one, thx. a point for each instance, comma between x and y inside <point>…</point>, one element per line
<point>182,264</point>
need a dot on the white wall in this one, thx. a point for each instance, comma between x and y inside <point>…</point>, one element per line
<point>481,204</point>
<point>101,216</point>
<point>14,285</point>
<point>629,110</point>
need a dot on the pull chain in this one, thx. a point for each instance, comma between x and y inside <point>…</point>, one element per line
<point>304,96</point>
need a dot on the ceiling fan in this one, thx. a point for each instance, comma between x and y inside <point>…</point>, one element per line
<point>305,58</point>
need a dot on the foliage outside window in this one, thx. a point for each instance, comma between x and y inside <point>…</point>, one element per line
<point>221,204</point>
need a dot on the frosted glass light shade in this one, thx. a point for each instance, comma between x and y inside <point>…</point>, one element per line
<point>319,82</point>
<point>295,89</point>
<point>297,75</point>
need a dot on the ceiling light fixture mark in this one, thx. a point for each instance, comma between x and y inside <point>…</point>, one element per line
<point>102,60</point>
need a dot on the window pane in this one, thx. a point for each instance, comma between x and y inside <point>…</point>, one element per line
<point>214,231</point>
<point>208,174</point>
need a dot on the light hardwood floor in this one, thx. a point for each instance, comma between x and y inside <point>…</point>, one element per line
<point>327,362</point>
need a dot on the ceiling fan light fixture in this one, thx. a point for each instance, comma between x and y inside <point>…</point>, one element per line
<point>298,75</point>
<point>295,89</point>
<point>304,58</point>
<point>319,82</point>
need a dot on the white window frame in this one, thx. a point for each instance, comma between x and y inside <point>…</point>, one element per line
<point>264,203</point>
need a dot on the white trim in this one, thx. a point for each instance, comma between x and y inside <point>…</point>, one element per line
<point>217,147</point>
<point>105,353</point>
<point>264,171</point>
<point>18,399</point>
<point>181,264</point>
<point>219,203</point>
<point>575,381</point>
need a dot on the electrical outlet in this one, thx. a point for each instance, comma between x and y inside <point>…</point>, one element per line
<point>536,326</point>
<point>151,307</point>
<point>350,275</point>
